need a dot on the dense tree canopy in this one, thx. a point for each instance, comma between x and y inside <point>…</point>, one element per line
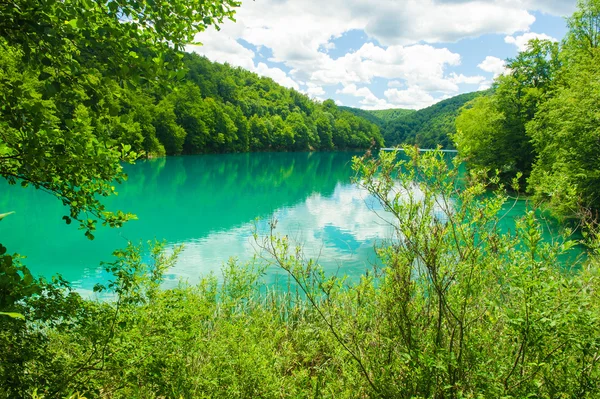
<point>226,109</point>
<point>426,128</point>
<point>542,119</point>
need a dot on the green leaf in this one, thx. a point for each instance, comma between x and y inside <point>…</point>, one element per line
<point>13,315</point>
<point>3,215</point>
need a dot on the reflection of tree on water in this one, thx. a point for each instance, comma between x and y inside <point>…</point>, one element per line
<point>198,194</point>
<point>177,199</point>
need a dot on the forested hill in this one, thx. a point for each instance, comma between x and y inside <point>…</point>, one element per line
<point>427,128</point>
<point>387,115</point>
<point>379,117</point>
<point>217,108</point>
<point>368,115</point>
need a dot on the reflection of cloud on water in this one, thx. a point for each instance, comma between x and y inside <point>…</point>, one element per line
<point>339,230</point>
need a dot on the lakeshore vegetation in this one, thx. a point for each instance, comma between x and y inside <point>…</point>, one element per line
<point>458,308</point>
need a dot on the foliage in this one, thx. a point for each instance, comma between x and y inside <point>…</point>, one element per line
<point>391,114</point>
<point>428,127</point>
<point>491,131</point>
<point>566,137</point>
<point>459,309</point>
<point>61,66</point>
<point>379,117</point>
<point>541,120</point>
<point>217,109</point>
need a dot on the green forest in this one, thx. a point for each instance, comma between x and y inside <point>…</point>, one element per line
<point>425,128</point>
<point>457,307</point>
<point>541,122</point>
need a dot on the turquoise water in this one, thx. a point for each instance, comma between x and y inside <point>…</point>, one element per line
<point>210,204</point>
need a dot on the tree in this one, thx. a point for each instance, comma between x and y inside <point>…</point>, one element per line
<point>565,130</point>
<point>584,27</point>
<point>480,136</point>
<point>491,130</point>
<point>324,124</point>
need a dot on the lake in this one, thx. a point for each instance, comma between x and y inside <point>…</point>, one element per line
<point>211,204</point>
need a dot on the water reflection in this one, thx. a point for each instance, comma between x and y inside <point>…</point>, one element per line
<point>210,204</point>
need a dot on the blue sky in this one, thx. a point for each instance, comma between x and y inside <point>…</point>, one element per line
<point>380,54</point>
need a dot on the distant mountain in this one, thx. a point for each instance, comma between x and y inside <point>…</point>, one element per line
<point>427,128</point>
<point>391,114</point>
<point>379,117</point>
<point>367,115</point>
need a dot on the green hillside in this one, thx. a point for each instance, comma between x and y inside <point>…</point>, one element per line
<point>428,127</point>
<point>217,108</point>
<point>387,115</point>
<point>379,117</point>
<point>368,115</point>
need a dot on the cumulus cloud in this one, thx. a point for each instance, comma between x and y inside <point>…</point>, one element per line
<point>493,65</point>
<point>412,98</point>
<point>462,79</point>
<point>422,20</point>
<point>220,47</point>
<point>561,8</point>
<point>314,90</point>
<point>277,75</point>
<point>368,99</point>
<point>522,41</point>
<point>301,35</point>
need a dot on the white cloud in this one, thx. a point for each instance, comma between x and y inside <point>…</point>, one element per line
<point>561,8</point>
<point>277,75</point>
<point>352,90</point>
<point>220,47</point>
<point>413,98</point>
<point>314,90</point>
<point>224,49</point>
<point>462,79</point>
<point>522,41</point>
<point>493,65</point>
<point>411,21</point>
<point>368,101</point>
<point>301,35</point>
<point>485,85</point>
